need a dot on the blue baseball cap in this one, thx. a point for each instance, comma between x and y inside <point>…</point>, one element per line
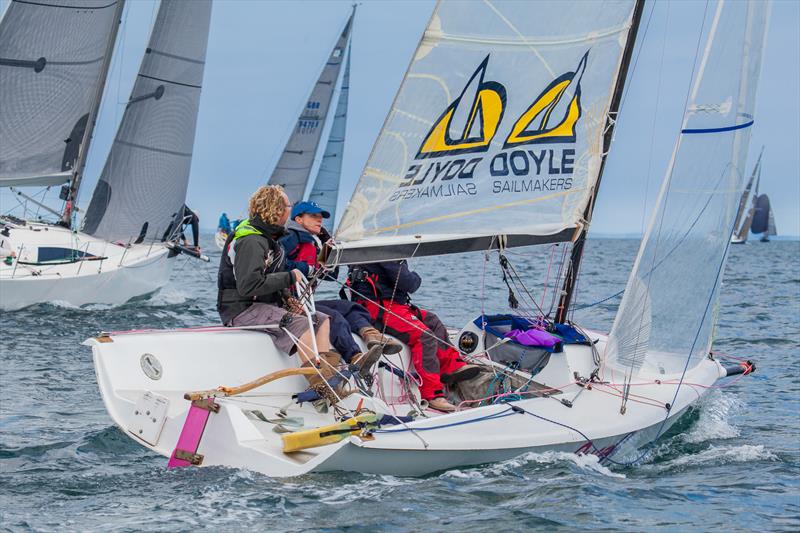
<point>302,208</point>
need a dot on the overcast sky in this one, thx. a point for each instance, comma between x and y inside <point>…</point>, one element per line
<point>264,57</point>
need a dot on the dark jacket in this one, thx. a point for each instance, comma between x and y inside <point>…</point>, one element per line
<point>251,269</point>
<point>384,281</point>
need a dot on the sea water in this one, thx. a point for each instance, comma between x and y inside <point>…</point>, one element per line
<point>732,463</point>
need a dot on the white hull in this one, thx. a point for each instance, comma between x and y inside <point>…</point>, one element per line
<point>116,274</point>
<point>235,437</point>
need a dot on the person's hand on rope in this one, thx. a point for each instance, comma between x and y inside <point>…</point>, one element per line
<point>297,275</point>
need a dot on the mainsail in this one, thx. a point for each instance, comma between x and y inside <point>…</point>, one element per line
<point>53,62</point>
<point>144,181</point>
<point>297,160</point>
<point>665,320</point>
<point>496,133</point>
<point>325,191</point>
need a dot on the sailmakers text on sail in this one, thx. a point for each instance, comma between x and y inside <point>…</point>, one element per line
<point>516,169</point>
<point>550,119</point>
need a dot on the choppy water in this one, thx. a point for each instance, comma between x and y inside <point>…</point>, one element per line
<point>731,464</point>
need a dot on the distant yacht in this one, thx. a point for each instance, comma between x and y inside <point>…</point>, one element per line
<point>759,219</point>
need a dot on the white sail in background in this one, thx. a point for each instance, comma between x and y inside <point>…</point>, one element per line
<point>325,191</point>
<point>496,130</point>
<point>297,160</point>
<point>51,77</point>
<point>146,175</point>
<point>665,321</point>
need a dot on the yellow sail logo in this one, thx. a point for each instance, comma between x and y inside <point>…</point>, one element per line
<point>553,115</point>
<point>462,129</point>
<point>470,123</point>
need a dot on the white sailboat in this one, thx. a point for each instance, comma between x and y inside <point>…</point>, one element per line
<point>54,58</point>
<point>461,164</point>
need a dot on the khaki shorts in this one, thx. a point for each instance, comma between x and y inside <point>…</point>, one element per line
<point>263,314</point>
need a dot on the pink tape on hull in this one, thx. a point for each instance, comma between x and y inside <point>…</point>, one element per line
<point>192,432</point>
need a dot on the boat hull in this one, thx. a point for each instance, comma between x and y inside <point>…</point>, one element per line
<point>115,275</point>
<point>575,418</point>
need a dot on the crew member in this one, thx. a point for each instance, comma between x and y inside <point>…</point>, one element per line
<point>254,284</point>
<point>303,242</point>
<point>385,289</point>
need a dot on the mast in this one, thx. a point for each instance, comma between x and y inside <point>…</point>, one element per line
<point>77,174</point>
<point>573,267</point>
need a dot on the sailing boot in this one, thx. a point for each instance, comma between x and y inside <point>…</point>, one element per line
<point>373,338</point>
<point>441,404</point>
<point>320,382</point>
<point>461,374</point>
<point>365,361</point>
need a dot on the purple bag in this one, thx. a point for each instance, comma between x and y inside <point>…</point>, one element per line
<point>533,337</point>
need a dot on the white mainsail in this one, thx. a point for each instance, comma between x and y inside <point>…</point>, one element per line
<point>146,175</point>
<point>325,191</point>
<point>497,130</point>
<point>665,323</point>
<point>53,58</point>
<point>296,163</point>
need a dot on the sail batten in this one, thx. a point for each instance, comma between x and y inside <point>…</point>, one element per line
<point>53,61</point>
<point>143,185</point>
<point>325,190</point>
<point>497,128</point>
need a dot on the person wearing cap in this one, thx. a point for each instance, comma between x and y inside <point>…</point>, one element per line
<point>304,240</point>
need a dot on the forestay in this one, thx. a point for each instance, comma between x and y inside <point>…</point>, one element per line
<point>665,321</point>
<point>146,174</point>
<point>51,75</point>
<point>496,130</point>
<point>325,191</point>
<point>297,159</point>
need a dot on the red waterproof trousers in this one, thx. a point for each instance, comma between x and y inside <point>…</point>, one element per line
<point>424,334</point>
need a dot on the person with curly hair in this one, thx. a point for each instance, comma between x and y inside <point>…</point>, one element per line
<point>254,283</point>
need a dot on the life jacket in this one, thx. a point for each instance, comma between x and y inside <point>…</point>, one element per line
<point>305,252</point>
<point>229,301</point>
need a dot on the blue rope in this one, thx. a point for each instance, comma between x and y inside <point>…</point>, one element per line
<point>502,414</point>
<point>600,301</point>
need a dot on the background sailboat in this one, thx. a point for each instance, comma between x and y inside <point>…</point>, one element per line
<point>121,252</point>
<point>740,234</point>
<point>295,168</point>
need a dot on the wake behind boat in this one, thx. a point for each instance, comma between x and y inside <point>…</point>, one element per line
<point>467,117</point>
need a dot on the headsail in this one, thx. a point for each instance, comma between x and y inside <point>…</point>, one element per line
<point>146,174</point>
<point>325,191</point>
<point>665,320</point>
<point>297,160</point>
<point>496,131</point>
<point>52,59</point>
